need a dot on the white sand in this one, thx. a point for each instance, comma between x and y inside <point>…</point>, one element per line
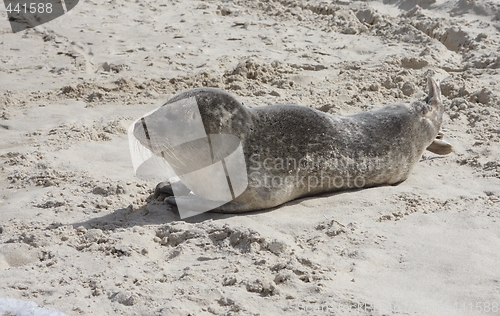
<point>79,234</point>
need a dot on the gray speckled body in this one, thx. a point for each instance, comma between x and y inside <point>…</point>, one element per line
<point>293,151</point>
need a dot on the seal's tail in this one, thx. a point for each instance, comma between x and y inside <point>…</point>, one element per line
<point>434,98</point>
<point>440,146</point>
<point>435,102</point>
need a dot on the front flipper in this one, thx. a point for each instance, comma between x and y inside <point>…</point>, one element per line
<point>439,146</point>
<point>165,189</point>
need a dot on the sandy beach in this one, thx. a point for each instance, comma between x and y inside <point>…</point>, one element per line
<point>79,233</point>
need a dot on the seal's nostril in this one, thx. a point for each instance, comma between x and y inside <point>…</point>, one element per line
<point>145,128</point>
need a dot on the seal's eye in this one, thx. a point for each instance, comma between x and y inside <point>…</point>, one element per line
<point>194,116</point>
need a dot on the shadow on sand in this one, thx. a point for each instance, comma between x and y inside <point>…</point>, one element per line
<point>155,212</point>
<point>152,213</point>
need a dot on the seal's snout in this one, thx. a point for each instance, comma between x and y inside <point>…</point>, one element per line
<point>145,127</point>
<point>141,132</point>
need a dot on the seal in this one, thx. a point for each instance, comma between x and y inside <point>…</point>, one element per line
<point>293,151</point>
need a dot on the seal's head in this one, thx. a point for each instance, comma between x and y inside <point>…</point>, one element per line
<point>188,131</point>
<point>170,125</point>
<point>191,115</point>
